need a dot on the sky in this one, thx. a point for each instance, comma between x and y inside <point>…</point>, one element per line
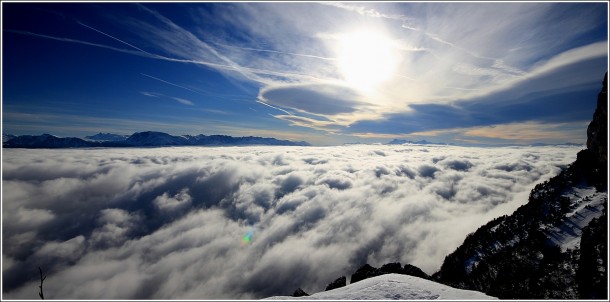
<point>247,222</point>
<point>328,73</point>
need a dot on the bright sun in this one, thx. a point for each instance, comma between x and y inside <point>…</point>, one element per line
<point>366,59</point>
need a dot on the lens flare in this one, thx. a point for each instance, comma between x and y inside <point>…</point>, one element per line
<point>246,239</point>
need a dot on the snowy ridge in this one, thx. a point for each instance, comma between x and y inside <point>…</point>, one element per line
<point>106,137</point>
<point>393,287</point>
<point>586,205</point>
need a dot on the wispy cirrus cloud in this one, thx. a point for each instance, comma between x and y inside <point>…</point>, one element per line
<point>115,38</point>
<point>315,99</point>
<point>177,99</point>
<point>183,101</point>
<point>464,55</point>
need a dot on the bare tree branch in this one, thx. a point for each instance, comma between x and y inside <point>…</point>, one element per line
<point>41,294</point>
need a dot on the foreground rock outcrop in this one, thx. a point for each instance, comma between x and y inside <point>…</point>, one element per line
<point>339,282</point>
<point>367,271</point>
<point>299,293</point>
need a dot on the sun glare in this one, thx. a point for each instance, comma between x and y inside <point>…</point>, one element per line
<point>366,59</point>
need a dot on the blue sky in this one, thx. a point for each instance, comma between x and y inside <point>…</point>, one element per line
<point>328,73</point>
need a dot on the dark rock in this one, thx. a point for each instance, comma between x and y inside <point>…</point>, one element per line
<point>107,137</point>
<point>365,272</point>
<point>597,132</point>
<point>152,138</point>
<point>340,282</point>
<point>391,268</point>
<point>46,141</point>
<point>592,274</point>
<point>413,270</point>
<point>299,293</point>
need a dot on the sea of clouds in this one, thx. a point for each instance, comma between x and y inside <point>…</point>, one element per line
<point>169,223</point>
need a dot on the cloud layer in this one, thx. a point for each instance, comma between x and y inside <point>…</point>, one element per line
<point>168,223</point>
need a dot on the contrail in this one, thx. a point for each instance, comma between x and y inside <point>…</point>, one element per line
<point>115,38</point>
<point>198,42</point>
<point>276,51</point>
<point>145,54</point>
<point>361,10</point>
<point>276,108</point>
<point>437,39</point>
<point>160,57</point>
<point>166,82</point>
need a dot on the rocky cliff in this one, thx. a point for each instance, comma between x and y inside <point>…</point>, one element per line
<point>597,132</point>
<point>555,246</point>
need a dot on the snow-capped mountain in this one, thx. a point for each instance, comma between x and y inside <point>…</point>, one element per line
<point>7,137</point>
<point>393,287</point>
<point>107,137</point>
<point>45,141</point>
<point>553,247</point>
<point>151,138</point>
<point>140,139</point>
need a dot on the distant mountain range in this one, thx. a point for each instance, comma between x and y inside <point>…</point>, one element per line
<point>157,139</point>
<point>107,137</point>
<point>139,139</point>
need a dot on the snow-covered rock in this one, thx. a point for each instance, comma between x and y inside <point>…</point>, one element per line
<point>393,287</point>
<point>107,137</point>
<point>152,138</point>
<point>586,204</point>
<point>7,137</point>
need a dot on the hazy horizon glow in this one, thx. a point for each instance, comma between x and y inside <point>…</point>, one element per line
<point>327,73</point>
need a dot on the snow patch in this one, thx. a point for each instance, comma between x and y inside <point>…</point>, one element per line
<point>393,287</point>
<point>586,205</point>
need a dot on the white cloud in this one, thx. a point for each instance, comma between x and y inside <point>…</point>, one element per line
<point>68,250</point>
<point>172,203</point>
<point>168,223</point>
<point>115,227</point>
<point>183,101</point>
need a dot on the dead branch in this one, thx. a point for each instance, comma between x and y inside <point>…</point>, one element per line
<point>41,294</point>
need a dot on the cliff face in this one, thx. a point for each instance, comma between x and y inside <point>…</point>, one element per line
<point>555,246</point>
<point>597,132</point>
